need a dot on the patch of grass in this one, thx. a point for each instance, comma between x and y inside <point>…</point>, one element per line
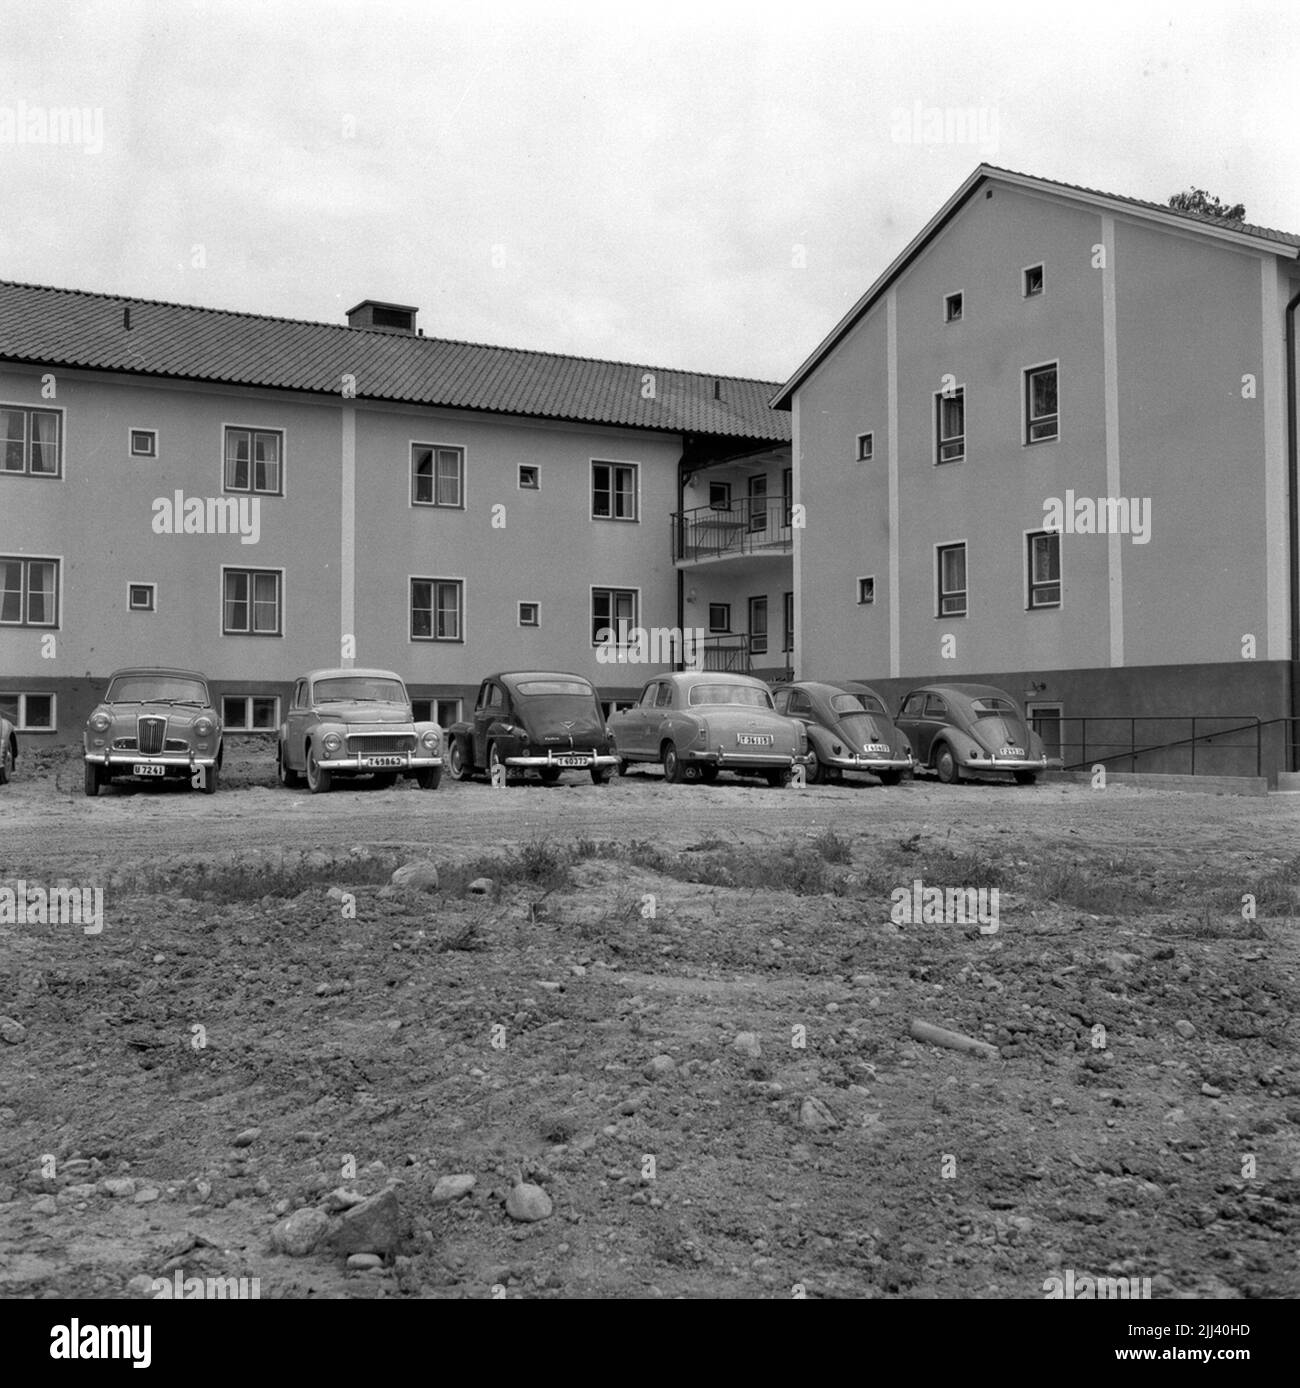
<point>833,848</point>
<point>231,882</point>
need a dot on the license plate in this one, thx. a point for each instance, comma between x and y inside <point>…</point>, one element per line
<point>1011,752</point>
<point>147,769</point>
<point>755,739</point>
<point>878,748</point>
<point>572,761</point>
<point>368,762</point>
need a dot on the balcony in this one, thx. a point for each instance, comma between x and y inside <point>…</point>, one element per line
<point>744,528</point>
<point>735,654</point>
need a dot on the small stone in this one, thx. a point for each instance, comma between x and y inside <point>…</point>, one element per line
<point>342,1199</point>
<point>301,1232</point>
<point>813,1113</point>
<point>160,959</point>
<point>449,1188</point>
<point>630,1106</point>
<point>1185,1029</point>
<point>660,1066</point>
<point>247,1137</point>
<point>370,1227</point>
<point>337,894</point>
<point>481,886</point>
<point>46,1205</point>
<point>147,1196</point>
<point>422,875</point>
<point>528,1203</point>
<point>12,1031</point>
<point>119,1187</point>
<point>141,1285</point>
<point>549,987</point>
<point>364,1262</point>
<point>1211,1091</point>
<point>747,1043</point>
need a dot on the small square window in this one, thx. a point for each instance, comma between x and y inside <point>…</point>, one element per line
<point>720,496</point>
<point>140,597</point>
<point>952,308</point>
<point>866,447</point>
<point>1033,281</point>
<point>144,443</point>
<point>719,616</point>
<point>528,478</point>
<point>529,614</point>
<point>866,591</point>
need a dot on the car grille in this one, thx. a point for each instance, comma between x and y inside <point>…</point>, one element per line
<point>380,744</point>
<point>131,744</point>
<point>152,734</point>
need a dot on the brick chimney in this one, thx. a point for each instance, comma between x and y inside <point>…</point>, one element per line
<point>392,318</point>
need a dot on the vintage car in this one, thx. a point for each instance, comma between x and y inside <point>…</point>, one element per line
<point>8,749</point>
<point>849,729</point>
<point>546,721</point>
<point>971,727</point>
<point>697,723</point>
<point>153,724</point>
<point>356,723</point>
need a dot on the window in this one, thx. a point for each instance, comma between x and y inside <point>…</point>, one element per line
<point>140,597</point>
<point>758,503</point>
<point>787,634</point>
<point>529,614</point>
<point>29,713</point>
<point>253,461</point>
<point>1033,281</point>
<point>29,592</point>
<point>866,591</point>
<point>613,491</point>
<point>719,616</point>
<point>437,609</point>
<point>758,626</point>
<point>144,443</point>
<point>952,308</point>
<point>1041,415</point>
<point>866,447</point>
<point>1044,569</point>
<point>437,476</point>
<point>798,704</point>
<point>446,712</point>
<point>720,496</point>
<point>250,713</point>
<point>251,602</point>
<point>613,612</point>
<point>30,441</point>
<point>528,478</point>
<point>952,580</point>
<point>951,420</point>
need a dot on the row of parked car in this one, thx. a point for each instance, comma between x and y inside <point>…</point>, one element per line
<point>157,724</point>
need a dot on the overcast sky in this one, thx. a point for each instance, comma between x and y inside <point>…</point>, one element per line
<point>704,185</point>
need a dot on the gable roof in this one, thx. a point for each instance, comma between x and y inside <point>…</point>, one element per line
<point>44,326</point>
<point>1283,243</point>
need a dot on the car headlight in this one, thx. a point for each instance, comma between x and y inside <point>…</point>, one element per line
<point>332,742</point>
<point>430,739</point>
<point>100,721</point>
<point>204,726</point>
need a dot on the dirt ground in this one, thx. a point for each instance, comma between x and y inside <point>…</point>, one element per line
<point>256,976</point>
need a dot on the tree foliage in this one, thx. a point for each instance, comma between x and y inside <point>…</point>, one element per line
<point>1198,200</point>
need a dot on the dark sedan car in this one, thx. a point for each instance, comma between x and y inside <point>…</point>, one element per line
<point>8,749</point>
<point>849,729</point>
<point>546,721</point>
<point>971,727</point>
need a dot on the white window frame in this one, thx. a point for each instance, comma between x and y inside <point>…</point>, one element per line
<point>722,630</point>
<point>61,415</point>
<point>861,601</point>
<point>247,726</point>
<point>1024,280</point>
<point>463,476</point>
<point>947,299</point>
<point>1028,572</point>
<point>26,559</point>
<point>613,629</point>
<point>867,447</point>
<point>1026,398</point>
<point>21,724</point>
<point>250,429</point>
<point>251,569</point>
<point>594,462</point>
<point>433,638</point>
<point>152,435</point>
<point>537,614</point>
<point>939,613</point>
<point>939,397</point>
<point>536,484</point>
<point>153,596</point>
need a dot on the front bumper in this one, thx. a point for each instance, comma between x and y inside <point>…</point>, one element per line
<point>551,759</point>
<point>117,759</point>
<point>408,761</point>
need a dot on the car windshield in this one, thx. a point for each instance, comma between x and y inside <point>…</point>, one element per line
<point>531,688</point>
<point>856,703</point>
<point>156,689</point>
<point>994,708</point>
<point>744,695</point>
<point>363,689</point>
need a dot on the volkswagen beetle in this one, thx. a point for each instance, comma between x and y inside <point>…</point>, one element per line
<point>971,727</point>
<point>153,724</point>
<point>849,730</point>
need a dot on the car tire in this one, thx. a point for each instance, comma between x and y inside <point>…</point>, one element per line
<point>457,763</point>
<point>708,773</point>
<point>1025,778</point>
<point>6,764</point>
<point>429,777</point>
<point>623,765</point>
<point>382,780</point>
<point>288,776</point>
<point>945,765</point>
<point>889,778</point>
<point>815,773</point>
<point>549,775</point>
<point>318,777</point>
<point>674,767</point>
<point>94,778</point>
<point>494,760</point>
<point>778,777</point>
<point>211,778</point>
<point>599,775</point>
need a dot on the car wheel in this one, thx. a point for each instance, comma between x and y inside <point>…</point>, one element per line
<point>458,763</point>
<point>94,778</point>
<point>946,765</point>
<point>288,776</point>
<point>494,760</point>
<point>211,776</point>
<point>674,770</point>
<point>318,777</point>
<point>549,775</point>
<point>429,778</point>
<point>777,777</point>
<point>599,775</point>
<point>622,766</point>
<point>6,764</point>
<point>708,773</point>
<point>816,772</point>
<point>1025,778</point>
<point>383,779</point>
<point>889,778</point>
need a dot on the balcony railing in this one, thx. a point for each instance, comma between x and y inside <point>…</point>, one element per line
<point>736,653</point>
<point>745,526</point>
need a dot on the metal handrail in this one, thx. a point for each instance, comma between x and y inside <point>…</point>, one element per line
<point>743,526</point>
<point>1248,723</point>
